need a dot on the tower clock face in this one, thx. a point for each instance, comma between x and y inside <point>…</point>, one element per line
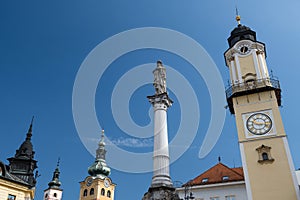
<point>106,183</point>
<point>89,181</point>
<point>259,124</point>
<point>244,48</point>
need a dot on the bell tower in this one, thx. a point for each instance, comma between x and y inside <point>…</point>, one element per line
<point>98,185</point>
<point>254,98</point>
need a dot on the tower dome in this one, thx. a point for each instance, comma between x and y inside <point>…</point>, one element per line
<point>241,32</point>
<point>99,168</point>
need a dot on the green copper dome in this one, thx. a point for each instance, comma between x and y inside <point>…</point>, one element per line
<point>99,168</point>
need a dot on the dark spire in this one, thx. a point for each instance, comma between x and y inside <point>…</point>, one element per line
<point>99,168</point>
<point>26,148</point>
<point>23,164</point>
<point>219,159</point>
<point>29,133</point>
<point>55,183</point>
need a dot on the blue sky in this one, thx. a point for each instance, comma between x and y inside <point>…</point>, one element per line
<point>44,43</point>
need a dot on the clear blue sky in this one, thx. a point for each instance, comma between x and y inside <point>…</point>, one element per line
<point>43,44</point>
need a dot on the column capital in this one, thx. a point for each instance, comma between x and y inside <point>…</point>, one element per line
<point>160,99</point>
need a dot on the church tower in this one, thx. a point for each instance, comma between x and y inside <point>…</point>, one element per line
<point>254,98</point>
<point>98,185</point>
<point>54,192</point>
<point>23,164</point>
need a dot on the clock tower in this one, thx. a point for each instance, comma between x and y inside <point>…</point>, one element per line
<point>98,185</point>
<point>254,98</point>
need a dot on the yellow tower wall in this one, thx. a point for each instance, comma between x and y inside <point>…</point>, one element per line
<point>271,180</point>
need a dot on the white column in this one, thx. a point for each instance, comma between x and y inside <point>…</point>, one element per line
<point>238,67</point>
<point>161,160</point>
<point>258,73</point>
<point>263,66</point>
<point>233,72</point>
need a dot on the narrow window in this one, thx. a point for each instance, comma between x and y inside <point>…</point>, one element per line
<point>92,191</point>
<point>85,193</point>
<point>265,156</point>
<point>108,193</point>
<point>55,195</point>
<point>102,192</point>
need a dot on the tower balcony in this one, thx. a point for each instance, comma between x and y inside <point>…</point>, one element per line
<point>251,87</point>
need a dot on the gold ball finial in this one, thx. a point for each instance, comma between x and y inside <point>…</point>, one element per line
<point>238,19</point>
<point>102,131</point>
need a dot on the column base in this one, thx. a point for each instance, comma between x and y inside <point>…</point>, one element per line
<point>161,192</point>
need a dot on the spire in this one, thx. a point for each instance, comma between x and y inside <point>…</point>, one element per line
<point>55,183</point>
<point>23,164</point>
<point>26,148</point>
<point>99,168</point>
<point>29,133</point>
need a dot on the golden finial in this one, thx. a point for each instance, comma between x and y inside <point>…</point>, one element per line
<point>238,17</point>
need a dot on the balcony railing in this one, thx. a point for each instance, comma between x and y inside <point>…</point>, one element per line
<point>252,85</point>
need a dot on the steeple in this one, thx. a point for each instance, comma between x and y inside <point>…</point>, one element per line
<point>54,191</point>
<point>23,164</point>
<point>99,168</point>
<point>55,183</point>
<point>26,149</point>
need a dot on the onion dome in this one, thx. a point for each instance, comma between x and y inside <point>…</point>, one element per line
<point>99,168</point>
<point>241,32</point>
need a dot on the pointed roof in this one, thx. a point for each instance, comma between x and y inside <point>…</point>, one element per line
<point>219,173</point>
<point>25,151</point>
<point>55,183</point>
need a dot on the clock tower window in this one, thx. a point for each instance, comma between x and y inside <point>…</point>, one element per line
<point>85,193</point>
<point>108,193</point>
<point>92,191</point>
<point>102,192</point>
<point>264,154</point>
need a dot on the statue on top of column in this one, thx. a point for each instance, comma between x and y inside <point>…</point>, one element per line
<point>160,79</point>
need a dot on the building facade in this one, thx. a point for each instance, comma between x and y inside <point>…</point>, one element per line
<point>217,183</point>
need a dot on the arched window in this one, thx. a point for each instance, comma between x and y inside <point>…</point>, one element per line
<point>108,193</point>
<point>102,192</point>
<point>92,191</point>
<point>85,193</point>
<point>46,195</point>
<point>55,195</point>
<point>265,156</point>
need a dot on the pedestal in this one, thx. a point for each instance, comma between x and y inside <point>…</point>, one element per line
<point>161,193</point>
